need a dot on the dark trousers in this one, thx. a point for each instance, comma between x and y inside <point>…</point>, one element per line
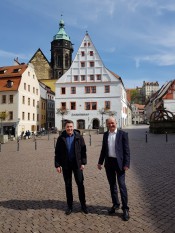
<point>79,179</point>
<point>113,171</point>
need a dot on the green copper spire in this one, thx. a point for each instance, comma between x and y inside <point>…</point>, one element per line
<point>61,35</point>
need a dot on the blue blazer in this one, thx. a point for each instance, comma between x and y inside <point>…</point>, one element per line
<point>121,148</point>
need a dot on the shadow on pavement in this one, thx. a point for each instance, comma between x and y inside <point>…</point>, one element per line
<point>53,204</point>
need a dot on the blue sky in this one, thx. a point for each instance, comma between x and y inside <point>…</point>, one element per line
<point>134,38</point>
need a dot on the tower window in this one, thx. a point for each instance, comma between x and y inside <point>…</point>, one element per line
<point>66,60</point>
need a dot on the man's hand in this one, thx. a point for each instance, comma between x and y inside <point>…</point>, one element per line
<point>82,167</point>
<point>126,168</point>
<point>59,169</point>
<point>99,166</point>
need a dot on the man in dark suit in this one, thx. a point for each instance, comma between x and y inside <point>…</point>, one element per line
<point>116,154</point>
<point>70,157</point>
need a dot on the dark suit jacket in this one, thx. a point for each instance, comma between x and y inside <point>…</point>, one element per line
<point>121,148</point>
<point>61,152</point>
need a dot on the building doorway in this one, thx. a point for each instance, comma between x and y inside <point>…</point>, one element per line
<point>95,124</point>
<point>80,124</point>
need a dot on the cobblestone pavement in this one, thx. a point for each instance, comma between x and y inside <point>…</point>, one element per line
<point>32,194</point>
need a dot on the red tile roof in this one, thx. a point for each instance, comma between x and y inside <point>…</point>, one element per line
<point>4,87</point>
<point>12,73</point>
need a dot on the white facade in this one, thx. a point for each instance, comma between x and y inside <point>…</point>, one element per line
<point>138,116</point>
<point>26,96</point>
<point>88,87</point>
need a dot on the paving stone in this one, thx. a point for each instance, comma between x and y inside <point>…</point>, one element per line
<point>32,194</point>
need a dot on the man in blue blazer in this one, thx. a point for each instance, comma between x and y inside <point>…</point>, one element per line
<point>116,154</point>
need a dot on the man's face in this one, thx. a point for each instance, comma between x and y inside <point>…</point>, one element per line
<point>69,128</point>
<point>112,125</point>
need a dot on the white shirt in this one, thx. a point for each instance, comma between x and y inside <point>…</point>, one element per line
<point>111,143</point>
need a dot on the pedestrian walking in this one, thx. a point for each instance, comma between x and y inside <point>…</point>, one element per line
<point>116,154</point>
<point>70,157</point>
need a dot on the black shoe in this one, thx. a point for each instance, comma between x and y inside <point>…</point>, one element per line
<point>126,215</point>
<point>68,211</point>
<point>113,209</point>
<point>84,209</point>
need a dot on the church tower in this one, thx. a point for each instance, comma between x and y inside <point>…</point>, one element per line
<point>61,52</point>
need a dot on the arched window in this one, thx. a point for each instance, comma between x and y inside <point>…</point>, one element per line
<point>95,124</point>
<point>66,60</point>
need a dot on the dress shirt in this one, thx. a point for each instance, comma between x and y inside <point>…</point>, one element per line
<point>70,146</point>
<point>111,143</point>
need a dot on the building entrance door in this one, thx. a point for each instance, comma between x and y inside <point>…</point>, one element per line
<point>80,124</point>
<point>95,124</point>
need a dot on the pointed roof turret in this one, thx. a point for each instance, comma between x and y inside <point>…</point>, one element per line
<point>61,34</point>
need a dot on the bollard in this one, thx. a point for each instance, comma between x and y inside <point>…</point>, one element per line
<point>90,140</point>
<point>146,137</point>
<point>18,145</point>
<point>54,142</point>
<point>0,146</point>
<point>166,136</point>
<point>35,145</point>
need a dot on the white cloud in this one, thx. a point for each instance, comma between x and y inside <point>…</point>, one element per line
<point>157,59</point>
<point>11,55</point>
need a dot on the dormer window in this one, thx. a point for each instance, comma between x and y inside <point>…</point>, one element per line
<point>16,70</point>
<point>9,83</point>
<point>2,71</point>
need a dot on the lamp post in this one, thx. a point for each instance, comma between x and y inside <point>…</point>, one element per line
<point>62,111</point>
<point>102,111</point>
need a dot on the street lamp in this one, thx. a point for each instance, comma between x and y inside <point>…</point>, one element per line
<point>62,111</point>
<point>102,112</point>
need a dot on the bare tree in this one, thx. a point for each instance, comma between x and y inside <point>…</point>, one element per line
<point>62,111</point>
<point>103,111</point>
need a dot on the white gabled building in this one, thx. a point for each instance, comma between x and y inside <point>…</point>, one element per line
<point>19,99</point>
<point>87,88</point>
